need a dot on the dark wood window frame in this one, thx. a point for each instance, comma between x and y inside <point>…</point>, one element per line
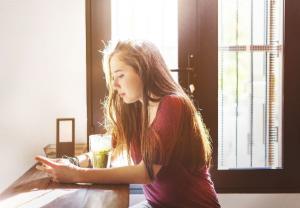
<point>97,18</point>
<point>286,180</point>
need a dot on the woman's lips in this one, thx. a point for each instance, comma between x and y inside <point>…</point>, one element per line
<point>122,94</point>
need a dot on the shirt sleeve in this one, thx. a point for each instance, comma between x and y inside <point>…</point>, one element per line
<point>166,128</point>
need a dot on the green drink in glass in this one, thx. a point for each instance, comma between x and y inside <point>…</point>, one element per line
<point>100,158</point>
<point>100,146</point>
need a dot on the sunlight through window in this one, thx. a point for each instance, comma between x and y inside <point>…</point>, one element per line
<point>153,20</point>
<point>250,84</point>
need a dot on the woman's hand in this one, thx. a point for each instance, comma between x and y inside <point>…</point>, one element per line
<point>60,160</point>
<point>60,170</point>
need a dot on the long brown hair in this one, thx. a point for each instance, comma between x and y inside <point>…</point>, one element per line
<point>128,123</point>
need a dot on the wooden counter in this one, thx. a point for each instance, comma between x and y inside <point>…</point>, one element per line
<point>35,189</point>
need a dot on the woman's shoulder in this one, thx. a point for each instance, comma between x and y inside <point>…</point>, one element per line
<point>171,104</point>
<point>169,111</point>
<point>172,100</point>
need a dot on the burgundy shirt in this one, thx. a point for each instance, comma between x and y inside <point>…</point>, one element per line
<point>175,185</point>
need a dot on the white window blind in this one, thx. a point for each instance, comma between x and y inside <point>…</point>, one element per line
<point>250,83</point>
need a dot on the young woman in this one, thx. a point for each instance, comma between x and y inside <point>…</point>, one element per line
<point>151,116</point>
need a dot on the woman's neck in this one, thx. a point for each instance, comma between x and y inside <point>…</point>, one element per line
<point>152,109</point>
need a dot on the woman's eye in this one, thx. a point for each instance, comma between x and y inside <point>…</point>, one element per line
<point>117,77</point>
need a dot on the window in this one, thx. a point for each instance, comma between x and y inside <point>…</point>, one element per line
<point>135,19</point>
<point>265,174</point>
<point>250,84</point>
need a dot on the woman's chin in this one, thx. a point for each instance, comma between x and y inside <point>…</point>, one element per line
<point>129,101</point>
<point>126,100</point>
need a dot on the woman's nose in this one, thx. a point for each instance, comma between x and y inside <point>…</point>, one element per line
<point>116,84</point>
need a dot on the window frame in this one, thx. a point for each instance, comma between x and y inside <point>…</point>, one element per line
<point>97,17</point>
<point>284,180</point>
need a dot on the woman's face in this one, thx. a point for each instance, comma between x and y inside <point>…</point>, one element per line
<point>126,81</point>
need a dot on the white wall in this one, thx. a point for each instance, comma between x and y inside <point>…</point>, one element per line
<point>42,77</point>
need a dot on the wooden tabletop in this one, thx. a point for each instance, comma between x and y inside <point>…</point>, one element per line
<point>35,189</point>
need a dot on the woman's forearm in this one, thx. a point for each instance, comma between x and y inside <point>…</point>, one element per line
<point>117,175</point>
